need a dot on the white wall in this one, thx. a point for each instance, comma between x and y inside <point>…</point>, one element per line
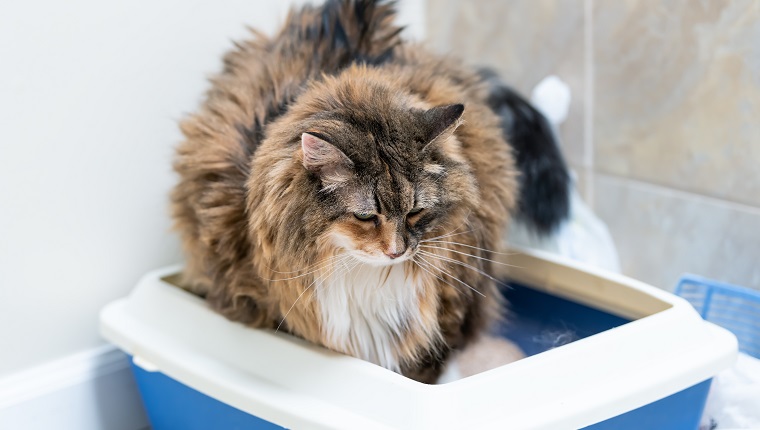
<point>90,95</point>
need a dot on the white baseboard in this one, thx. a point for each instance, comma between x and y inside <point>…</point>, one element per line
<point>91,390</point>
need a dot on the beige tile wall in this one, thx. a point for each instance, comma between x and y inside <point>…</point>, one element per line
<point>543,38</point>
<point>664,128</point>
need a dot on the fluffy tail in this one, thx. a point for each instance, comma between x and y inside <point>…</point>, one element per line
<point>545,181</point>
<point>347,31</point>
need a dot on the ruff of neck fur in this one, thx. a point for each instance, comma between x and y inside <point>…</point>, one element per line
<point>370,312</point>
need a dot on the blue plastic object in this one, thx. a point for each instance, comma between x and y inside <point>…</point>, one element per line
<point>680,411</point>
<point>538,322</point>
<point>172,405</point>
<point>735,308</point>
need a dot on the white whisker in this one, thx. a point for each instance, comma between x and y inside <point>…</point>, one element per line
<point>469,255</point>
<point>326,264</point>
<point>428,271</point>
<point>445,236</point>
<point>454,277</point>
<point>346,271</point>
<point>453,232</point>
<point>316,278</point>
<point>307,267</point>
<point>353,279</point>
<point>473,247</point>
<point>461,263</point>
<point>353,266</point>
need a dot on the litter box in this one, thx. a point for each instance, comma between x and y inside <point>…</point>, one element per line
<point>605,352</point>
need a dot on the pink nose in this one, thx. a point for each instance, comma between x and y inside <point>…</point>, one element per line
<point>394,255</point>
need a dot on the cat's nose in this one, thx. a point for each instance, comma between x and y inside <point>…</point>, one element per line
<point>395,247</point>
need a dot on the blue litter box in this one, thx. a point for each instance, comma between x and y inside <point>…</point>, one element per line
<point>603,352</point>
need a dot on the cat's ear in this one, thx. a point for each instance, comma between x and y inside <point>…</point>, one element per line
<point>442,119</point>
<point>324,159</point>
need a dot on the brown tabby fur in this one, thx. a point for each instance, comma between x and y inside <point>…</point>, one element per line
<point>253,220</point>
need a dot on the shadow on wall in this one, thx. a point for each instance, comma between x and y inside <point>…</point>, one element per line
<point>117,400</point>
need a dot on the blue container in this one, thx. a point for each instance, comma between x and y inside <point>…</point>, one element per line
<point>539,322</point>
<point>604,352</point>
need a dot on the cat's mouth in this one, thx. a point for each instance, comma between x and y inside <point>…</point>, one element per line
<point>382,259</point>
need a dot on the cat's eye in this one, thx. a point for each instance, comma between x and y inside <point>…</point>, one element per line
<point>415,211</point>
<point>362,216</point>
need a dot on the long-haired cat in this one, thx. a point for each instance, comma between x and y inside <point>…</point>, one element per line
<point>350,189</point>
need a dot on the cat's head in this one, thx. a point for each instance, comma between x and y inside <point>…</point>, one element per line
<point>384,172</point>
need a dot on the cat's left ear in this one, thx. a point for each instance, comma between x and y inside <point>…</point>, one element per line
<point>326,160</point>
<point>442,120</point>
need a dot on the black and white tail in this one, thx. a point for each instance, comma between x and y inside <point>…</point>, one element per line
<point>544,177</point>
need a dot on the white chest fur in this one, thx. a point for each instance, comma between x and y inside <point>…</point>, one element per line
<point>366,311</point>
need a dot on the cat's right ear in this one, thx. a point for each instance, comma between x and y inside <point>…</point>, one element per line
<point>442,119</point>
<point>324,159</point>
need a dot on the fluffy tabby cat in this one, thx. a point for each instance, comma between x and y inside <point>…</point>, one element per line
<point>350,189</point>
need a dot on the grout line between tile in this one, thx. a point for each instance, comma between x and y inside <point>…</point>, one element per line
<point>588,105</point>
<point>651,187</point>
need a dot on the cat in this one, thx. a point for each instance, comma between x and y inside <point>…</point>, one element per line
<point>351,189</point>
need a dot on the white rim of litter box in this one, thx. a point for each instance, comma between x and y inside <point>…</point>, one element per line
<point>295,384</point>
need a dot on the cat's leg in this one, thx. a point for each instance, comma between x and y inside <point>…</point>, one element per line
<point>241,307</point>
<point>427,367</point>
<point>450,373</point>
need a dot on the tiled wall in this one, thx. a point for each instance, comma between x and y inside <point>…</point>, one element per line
<point>664,126</point>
